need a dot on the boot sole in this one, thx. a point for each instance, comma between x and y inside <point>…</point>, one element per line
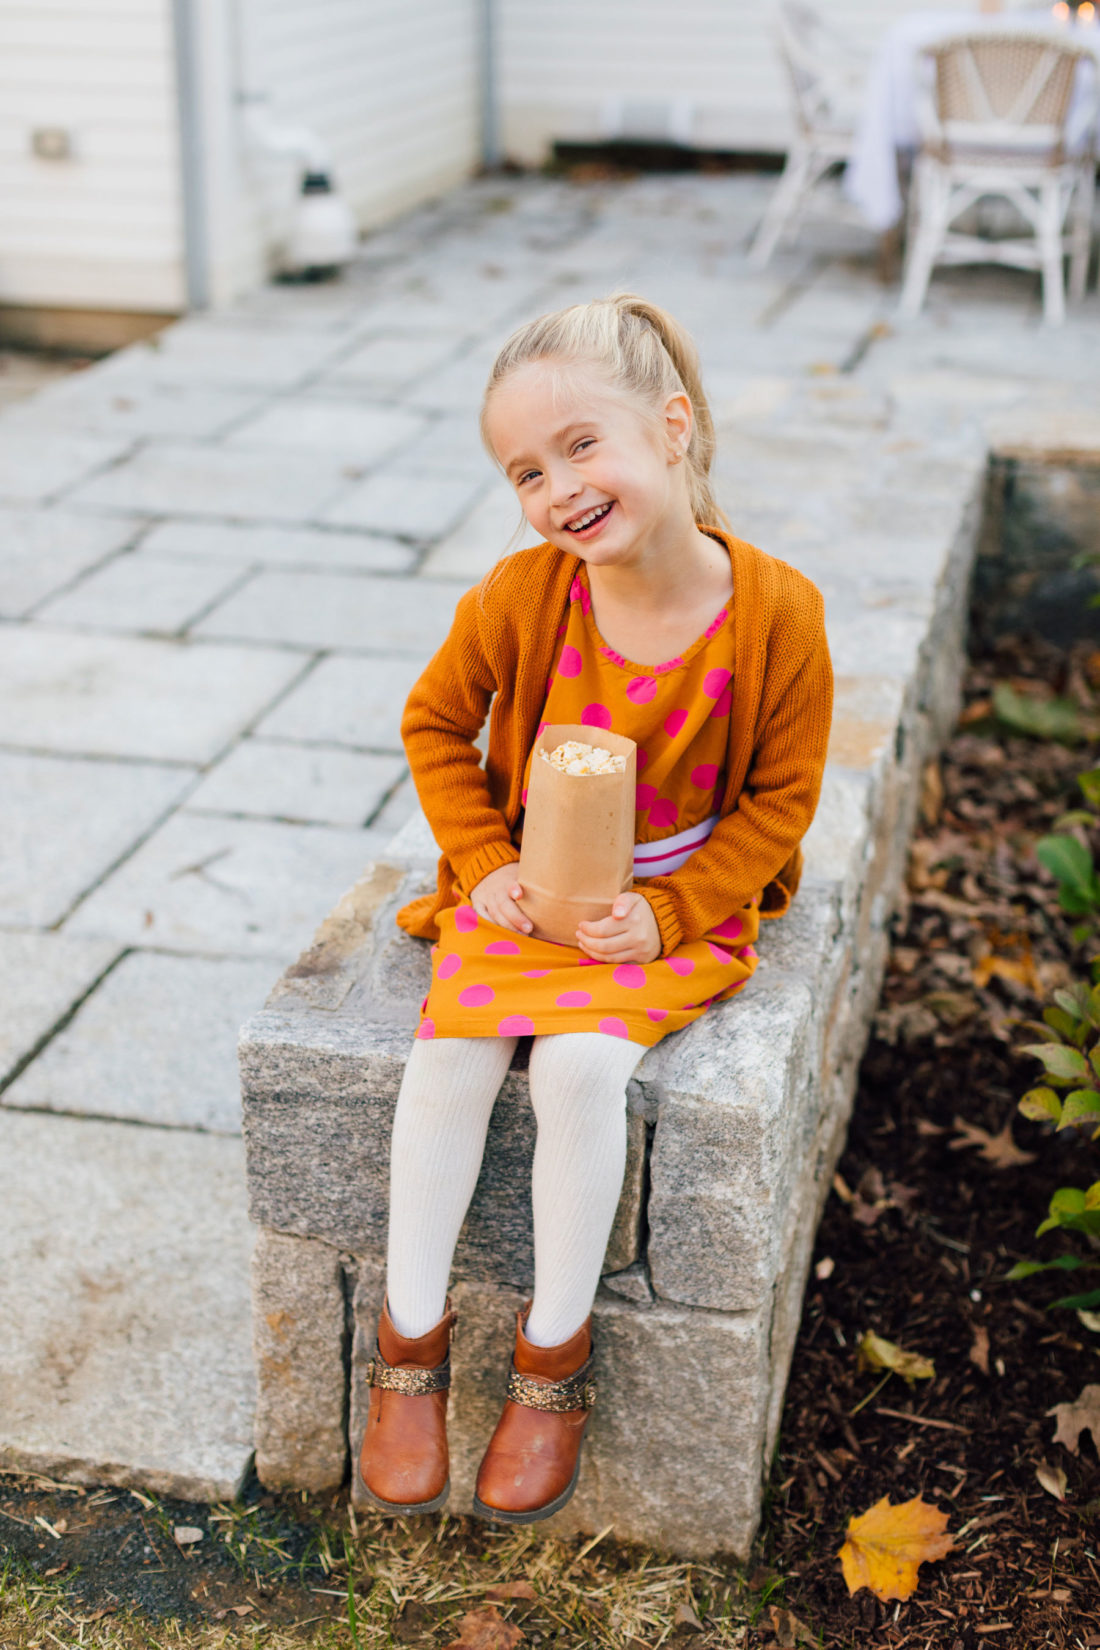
<point>497,1515</point>
<point>407,1509</point>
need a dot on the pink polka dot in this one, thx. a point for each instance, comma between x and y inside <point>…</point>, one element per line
<point>714,681</point>
<point>465,919</point>
<point>450,965</point>
<point>433,950</point>
<point>425,1030</point>
<point>596,716</point>
<point>734,989</point>
<point>641,690</point>
<point>577,593</point>
<point>562,629</point>
<point>614,1027</point>
<point>541,726</point>
<point>730,929</point>
<point>424,1005</point>
<point>535,973</point>
<point>549,684</point>
<point>590,962</point>
<point>570,663</point>
<point>641,757</point>
<point>723,704</point>
<point>747,951</point>
<point>719,793</point>
<point>716,623</point>
<point>681,965</point>
<point>657,1014</point>
<point>705,774</point>
<point>717,952</point>
<point>663,813</point>
<point>476,996</point>
<point>574,999</point>
<point>502,948</point>
<point>523,796</point>
<point>674,721</point>
<point>630,975</point>
<point>515,1025</point>
<point>644,797</point>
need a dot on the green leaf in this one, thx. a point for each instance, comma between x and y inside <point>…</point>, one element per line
<point>1090,786</point>
<point>1038,718</point>
<point>1070,863</point>
<point>1094,1059</point>
<point>1073,1002</point>
<point>1041,1105</point>
<point>1066,1025</point>
<point>1080,1303</point>
<point>1082,1106</point>
<point>1062,1263</point>
<point>1060,1061</point>
<point>1076,816</point>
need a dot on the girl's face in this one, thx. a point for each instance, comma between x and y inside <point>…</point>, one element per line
<point>593,475</point>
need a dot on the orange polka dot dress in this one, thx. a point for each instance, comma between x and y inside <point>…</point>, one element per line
<point>488,981</point>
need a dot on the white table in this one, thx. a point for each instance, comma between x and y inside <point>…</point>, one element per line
<point>888,121</point>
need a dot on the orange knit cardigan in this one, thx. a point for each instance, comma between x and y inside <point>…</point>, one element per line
<point>501,648</point>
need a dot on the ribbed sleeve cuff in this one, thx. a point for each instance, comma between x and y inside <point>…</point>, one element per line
<point>668,923</point>
<point>489,858</point>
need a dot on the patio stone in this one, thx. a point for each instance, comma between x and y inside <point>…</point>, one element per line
<point>41,977</point>
<point>248,544</point>
<point>142,592</point>
<point>175,478</point>
<point>208,350</point>
<point>387,363</point>
<point>156,1042</point>
<point>343,701</point>
<point>64,823</point>
<point>337,610</point>
<point>125,696</point>
<point>118,399</point>
<point>410,504</point>
<point>298,783</point>
<point>361,433</point>
<point>491,530</point>
<point>124,1306</point>
<point>32,470</point>
<point>44,549</point>
<point>243,887</point>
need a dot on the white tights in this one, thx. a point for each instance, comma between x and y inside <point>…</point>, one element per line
<point>578,1091</point>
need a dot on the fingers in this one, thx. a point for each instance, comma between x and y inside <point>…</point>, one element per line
<point>505,913</point>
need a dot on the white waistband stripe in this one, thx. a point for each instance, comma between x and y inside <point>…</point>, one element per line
<point>657,859</point>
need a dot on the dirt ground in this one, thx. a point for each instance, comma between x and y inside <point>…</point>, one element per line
<point>938,1193</point>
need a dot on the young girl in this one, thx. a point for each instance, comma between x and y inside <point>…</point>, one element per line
<point>641,613</point>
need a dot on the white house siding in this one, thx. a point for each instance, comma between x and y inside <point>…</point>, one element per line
<point>561,61</point>
<point>102,230</point>
<point>393,90</point>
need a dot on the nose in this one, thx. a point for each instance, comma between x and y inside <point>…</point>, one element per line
<point>565,484</point>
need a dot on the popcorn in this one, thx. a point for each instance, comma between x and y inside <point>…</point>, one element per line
<point>575,757</point>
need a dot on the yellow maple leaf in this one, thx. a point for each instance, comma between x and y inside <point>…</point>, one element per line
<point>876,1353</point>
<point>886,1545</point>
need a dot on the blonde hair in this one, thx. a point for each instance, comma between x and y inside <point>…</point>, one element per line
<point>643,352</point>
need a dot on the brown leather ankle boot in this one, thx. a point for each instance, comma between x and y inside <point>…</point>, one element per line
<point>403,1463</point>
<point>534,1457</point>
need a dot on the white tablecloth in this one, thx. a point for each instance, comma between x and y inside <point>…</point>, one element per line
<point>888,121</point>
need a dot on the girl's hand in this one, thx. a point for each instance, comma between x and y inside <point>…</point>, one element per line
<point>629,934</point>
<point>494,898</point>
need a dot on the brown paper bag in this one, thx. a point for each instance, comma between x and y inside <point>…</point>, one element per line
<point>577,849</point>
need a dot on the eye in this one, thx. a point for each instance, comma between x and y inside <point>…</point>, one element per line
<point>521,479</point>
<point>585,441</point>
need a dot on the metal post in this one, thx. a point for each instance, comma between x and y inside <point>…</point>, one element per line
<point>195,248</point>
<point>490,121</point>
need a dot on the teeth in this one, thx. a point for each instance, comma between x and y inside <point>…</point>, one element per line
<point>593,515</point>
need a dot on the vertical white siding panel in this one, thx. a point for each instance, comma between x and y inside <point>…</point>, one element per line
<point>102,230</point>
<point>561,59</point>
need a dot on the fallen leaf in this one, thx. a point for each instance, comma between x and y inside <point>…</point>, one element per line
<point>875,1353</point>
<point>187,1534</point>
<point>510,1589</point>
<point>931,792</point>
<point>1053,1480</point>
<point>685,1617</point>
<point>787,1628</point>
<point>886,1545</point>
<point>485,1629</point>
<point>979,1351</point>
<point>1082,1415</point>
<point>234,1610</point>
<point>1020,970</point>
<point>999,1149</point>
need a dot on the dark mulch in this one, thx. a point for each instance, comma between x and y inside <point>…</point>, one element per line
<point>925,1221</point>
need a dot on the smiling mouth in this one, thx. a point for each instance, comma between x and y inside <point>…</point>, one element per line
<point>588,519</point>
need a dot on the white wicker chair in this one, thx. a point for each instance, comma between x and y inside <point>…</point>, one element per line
<point>826,74</point>
<point>992,110</point>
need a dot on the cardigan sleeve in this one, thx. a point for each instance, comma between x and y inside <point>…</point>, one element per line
<point>750,844</point>
<point>443,715</point>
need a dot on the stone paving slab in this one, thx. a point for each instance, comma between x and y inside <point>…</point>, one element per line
<point>219,352</point>
<point>337,610</point>
<point>44,549</point>
<point>156,1042</point>
<point>175,478</point>
<point>363,434</point>
<point>249,544</point>
<point>125,696</point>
<point>33,470</point>
<point>386,363</point>
<point>118,399</point>
<point>494,526</point>
<point>301,784</point>
<point>407,502</point>
<point>41,977</point>
<point>125,1352</point>
<point>64,823</point>
<point>346,701</point>
<point>143,593</point>
<point>241,887</point>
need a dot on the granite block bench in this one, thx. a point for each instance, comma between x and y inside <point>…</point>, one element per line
<point>736,1124</point>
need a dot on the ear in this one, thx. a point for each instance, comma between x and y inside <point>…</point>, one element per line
<point>679,421</point>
